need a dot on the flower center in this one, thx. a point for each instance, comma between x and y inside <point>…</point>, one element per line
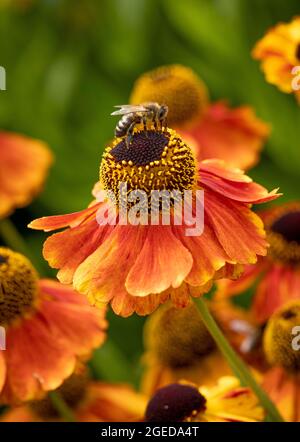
<point>278,337</point>
<point>176,86</point>
<point>175,403</point>
<point>284,237</point>
<point>72,391</point>
<point>154,160</point>
<point>18,286</point>
<point>298,52</point>
<point>178,337</point>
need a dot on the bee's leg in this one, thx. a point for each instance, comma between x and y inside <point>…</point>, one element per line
<point>144,120</point>
<point>130,134</point>
<point>163,123</point>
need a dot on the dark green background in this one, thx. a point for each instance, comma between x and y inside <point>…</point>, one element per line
<point>69,62</point>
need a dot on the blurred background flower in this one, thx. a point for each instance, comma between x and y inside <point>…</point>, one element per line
<point>68,62</point>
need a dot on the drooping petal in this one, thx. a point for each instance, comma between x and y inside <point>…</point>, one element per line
<point>208,255</point>
<point>30,355</point>
<point>63,314</point>
<point>234,184</point>
<point>43,348</point>
<point>239,230</point>
<point>68,249</point>
<point>102,275</point>
<point>162,263</point>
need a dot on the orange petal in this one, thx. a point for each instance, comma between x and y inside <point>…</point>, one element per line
<point>233,135</point>
<point>49,223</point>
<point>112,403</point>
<point>280,284</point>
<point>24,163</point>
<point>208,254</point>
<point>162,263</point>
<point>43,349</point>
<point>36,361</point>
<point>62,311</point>
<point>2,369</point>
<point>238,229</point>
<point>19,414</point>
<point>284,390</point>
<point>232,183</point>
<point>102,275</point>
<point>226,287</point>
<point>68,249</point>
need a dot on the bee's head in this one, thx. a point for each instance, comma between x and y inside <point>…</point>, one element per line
<point>163,111</point>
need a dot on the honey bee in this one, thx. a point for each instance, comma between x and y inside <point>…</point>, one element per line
<point>144,113</point>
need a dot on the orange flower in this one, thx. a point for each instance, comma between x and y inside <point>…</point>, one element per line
<point>90,401</point>
<point>24,163</point>
<point>138,267</point>
<point>278,274</point>
<point>233,135</point>
<point>44,337</point>
<point>212,129</point>
<point>179,346</point>
<point>279,52</point>
<point>226,401</point>
<point>282,381</point>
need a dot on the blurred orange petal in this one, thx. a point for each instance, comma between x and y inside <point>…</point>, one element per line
<point>233,135</point>
<point>24,164</point>
<point>42,349</point>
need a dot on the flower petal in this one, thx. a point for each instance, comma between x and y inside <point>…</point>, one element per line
<point>284,390</point>
<point>233,135</point>
<point>208,254</point>
<point>49,223</point>
<point>239,230</point>
<point>279,285</point>
<point>234,185</point>
<point>2,369</point>
<point>43,349</point>
<point>24,164</point>
<point>162,263</point>
<point>103,273</point>
<point>68,249</point>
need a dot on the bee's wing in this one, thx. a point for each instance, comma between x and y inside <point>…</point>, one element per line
<point>128,109</point>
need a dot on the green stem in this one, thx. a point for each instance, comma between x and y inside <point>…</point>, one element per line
<point>14,240</point>
<point>235,362</point>
<point>61,407</point>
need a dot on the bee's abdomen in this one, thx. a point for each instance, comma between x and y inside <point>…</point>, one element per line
<point>123,125</point>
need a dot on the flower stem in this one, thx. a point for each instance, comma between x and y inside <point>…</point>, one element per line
<point>61,407</point>
<point>14,240</point>
<point>237,365</point>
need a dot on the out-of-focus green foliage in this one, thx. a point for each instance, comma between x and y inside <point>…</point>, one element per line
<point>69,62</point>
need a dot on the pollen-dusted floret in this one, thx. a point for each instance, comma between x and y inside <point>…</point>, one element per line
<point>155,160</point>
<point>278,337</point>
<point>178,337</point>
<point>18,285</point>
<point>175,403</point>
<point>176,86</point>
<point>72,391</point>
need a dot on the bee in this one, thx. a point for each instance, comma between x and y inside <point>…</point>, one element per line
<point>139,114</point>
